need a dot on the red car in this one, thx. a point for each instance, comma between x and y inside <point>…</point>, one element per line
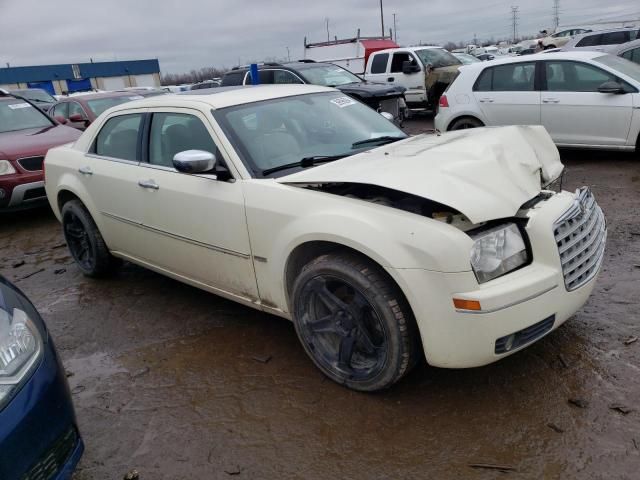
<point>26,134</point>
<point>79,111</point>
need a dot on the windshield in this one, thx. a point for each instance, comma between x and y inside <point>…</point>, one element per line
<point>328,75</point>
<point>437,57</point>
<point>99,105</point>
<point>17,114</point>
<point>466,59</point>
<point>273,133</point>
<point>35,94</point>
<point>621,65</point>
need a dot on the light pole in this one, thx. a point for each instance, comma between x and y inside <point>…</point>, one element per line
<point>382,18</point>
<point>395,30</point>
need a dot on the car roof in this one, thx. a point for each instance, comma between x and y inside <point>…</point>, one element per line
<point>94,95</point>
<point>625,46</point>
<point>223,97</point>
<point>560,55</point>
<point>409,49</point>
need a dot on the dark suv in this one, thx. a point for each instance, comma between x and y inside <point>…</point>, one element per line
<point>380,97</point>
<point>26,134</point>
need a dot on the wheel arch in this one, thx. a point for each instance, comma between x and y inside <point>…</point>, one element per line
<point>461,116</point>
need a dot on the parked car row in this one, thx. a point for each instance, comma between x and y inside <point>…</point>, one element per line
<point>583,99</point>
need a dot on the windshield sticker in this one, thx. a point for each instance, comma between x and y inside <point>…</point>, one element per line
<point>343,101</point>
<point>16,106</point>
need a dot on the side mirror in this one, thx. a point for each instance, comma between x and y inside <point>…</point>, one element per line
<point>194,161</point>
<point>409,67</point>
<point>77,118</point>
<point>611,87</point>
<point>388,116</point>
<point>60,119</point>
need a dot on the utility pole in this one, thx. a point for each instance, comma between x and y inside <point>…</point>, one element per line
<point>556,13</point>
<point>382,18</point>
<point>288,55</point>
<point>475,39</point>
<point>326,21</point>
<point>514,22</point>
<point>395,30</point>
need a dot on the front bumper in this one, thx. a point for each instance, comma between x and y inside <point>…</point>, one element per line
<point>38,433</point>
<point>510,304</point>
<point>22,191</point>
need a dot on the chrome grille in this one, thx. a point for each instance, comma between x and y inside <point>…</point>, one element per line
<point>581,235</point>
<point>31,164</point>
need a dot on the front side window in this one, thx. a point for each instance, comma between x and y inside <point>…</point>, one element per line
<point>118,138</point>
<point>173,133</point>
<point>575,77</point>
<point>379,63</point>
<point>513,77</point>
<point>61,110</point>
<point>76,109</point>
<point>437,57</point>
<point>328,75</point>
<point>16,114</point>
<point>286,77</point>
<point>274,133</point>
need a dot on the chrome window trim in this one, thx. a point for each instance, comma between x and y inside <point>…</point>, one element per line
<point>111,159</point>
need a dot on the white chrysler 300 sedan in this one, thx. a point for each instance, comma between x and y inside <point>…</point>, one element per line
<point>304,203</point>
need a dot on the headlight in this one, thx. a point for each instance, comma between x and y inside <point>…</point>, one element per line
<point>20,347</point>
<point>497,251</point>
<point>6,168</point>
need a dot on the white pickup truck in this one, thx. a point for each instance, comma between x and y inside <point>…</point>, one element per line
<point>424,71</point>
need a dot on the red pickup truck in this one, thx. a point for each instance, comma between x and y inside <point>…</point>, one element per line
<point>26,134</point>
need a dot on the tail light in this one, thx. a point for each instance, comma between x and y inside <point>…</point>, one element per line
<point>444,103</point>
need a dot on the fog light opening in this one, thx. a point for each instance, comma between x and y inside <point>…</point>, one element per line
<point>508,344</point>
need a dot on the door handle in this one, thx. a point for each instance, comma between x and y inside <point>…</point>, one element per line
<point>486,100</point>
<point>85,171</point>
<point>150,184</point>
<point>550,100</point>
<point>390,79</point>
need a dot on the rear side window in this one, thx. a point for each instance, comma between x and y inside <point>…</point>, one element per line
<point>379,63</point>
<point>284,76</point>
<point>590,41</point>
<point>614,38</point>
<point>232,78</point>
<point>265,76</point>
<point>514,77</point>
<point>118,138</point>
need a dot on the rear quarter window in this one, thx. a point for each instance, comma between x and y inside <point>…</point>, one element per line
<point>590,41</point>
<point>118,138</point>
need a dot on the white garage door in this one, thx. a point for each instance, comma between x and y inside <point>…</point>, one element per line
<point>145,81</point>
<point>113,83</point>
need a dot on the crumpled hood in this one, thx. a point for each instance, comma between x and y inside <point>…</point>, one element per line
<point>484,173</point>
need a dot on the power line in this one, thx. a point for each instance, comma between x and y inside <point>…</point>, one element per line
<point>514,22</point>
<point>556,13</point>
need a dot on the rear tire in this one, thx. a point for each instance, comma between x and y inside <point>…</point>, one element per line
<point>354,322</point>
<point>86,245</point>
<point>465,123</point>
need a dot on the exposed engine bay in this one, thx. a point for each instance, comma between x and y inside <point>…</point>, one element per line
<point>399,200</point>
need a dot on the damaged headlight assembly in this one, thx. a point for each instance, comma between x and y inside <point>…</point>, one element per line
<point>20,348</point>
<point>497,251</point>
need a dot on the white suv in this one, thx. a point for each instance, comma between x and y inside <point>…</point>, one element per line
<point>302,202</point>
<point>583,99</point>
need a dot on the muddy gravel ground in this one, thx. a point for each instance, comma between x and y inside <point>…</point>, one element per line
<point>181,384</point>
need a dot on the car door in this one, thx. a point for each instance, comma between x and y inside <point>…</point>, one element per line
<point>413,82</point>
<point>507,94</point>
<point>196,223</point>
<point>109,172</point>
<point>574,112</point>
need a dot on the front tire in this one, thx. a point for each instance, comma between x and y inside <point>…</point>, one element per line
<point>354,322</point>
<point>465,123</point>
<point>85,242</point>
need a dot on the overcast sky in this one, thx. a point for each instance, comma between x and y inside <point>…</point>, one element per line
<point>186,34</point>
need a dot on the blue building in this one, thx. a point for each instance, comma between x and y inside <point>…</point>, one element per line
<point>77,77</point>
